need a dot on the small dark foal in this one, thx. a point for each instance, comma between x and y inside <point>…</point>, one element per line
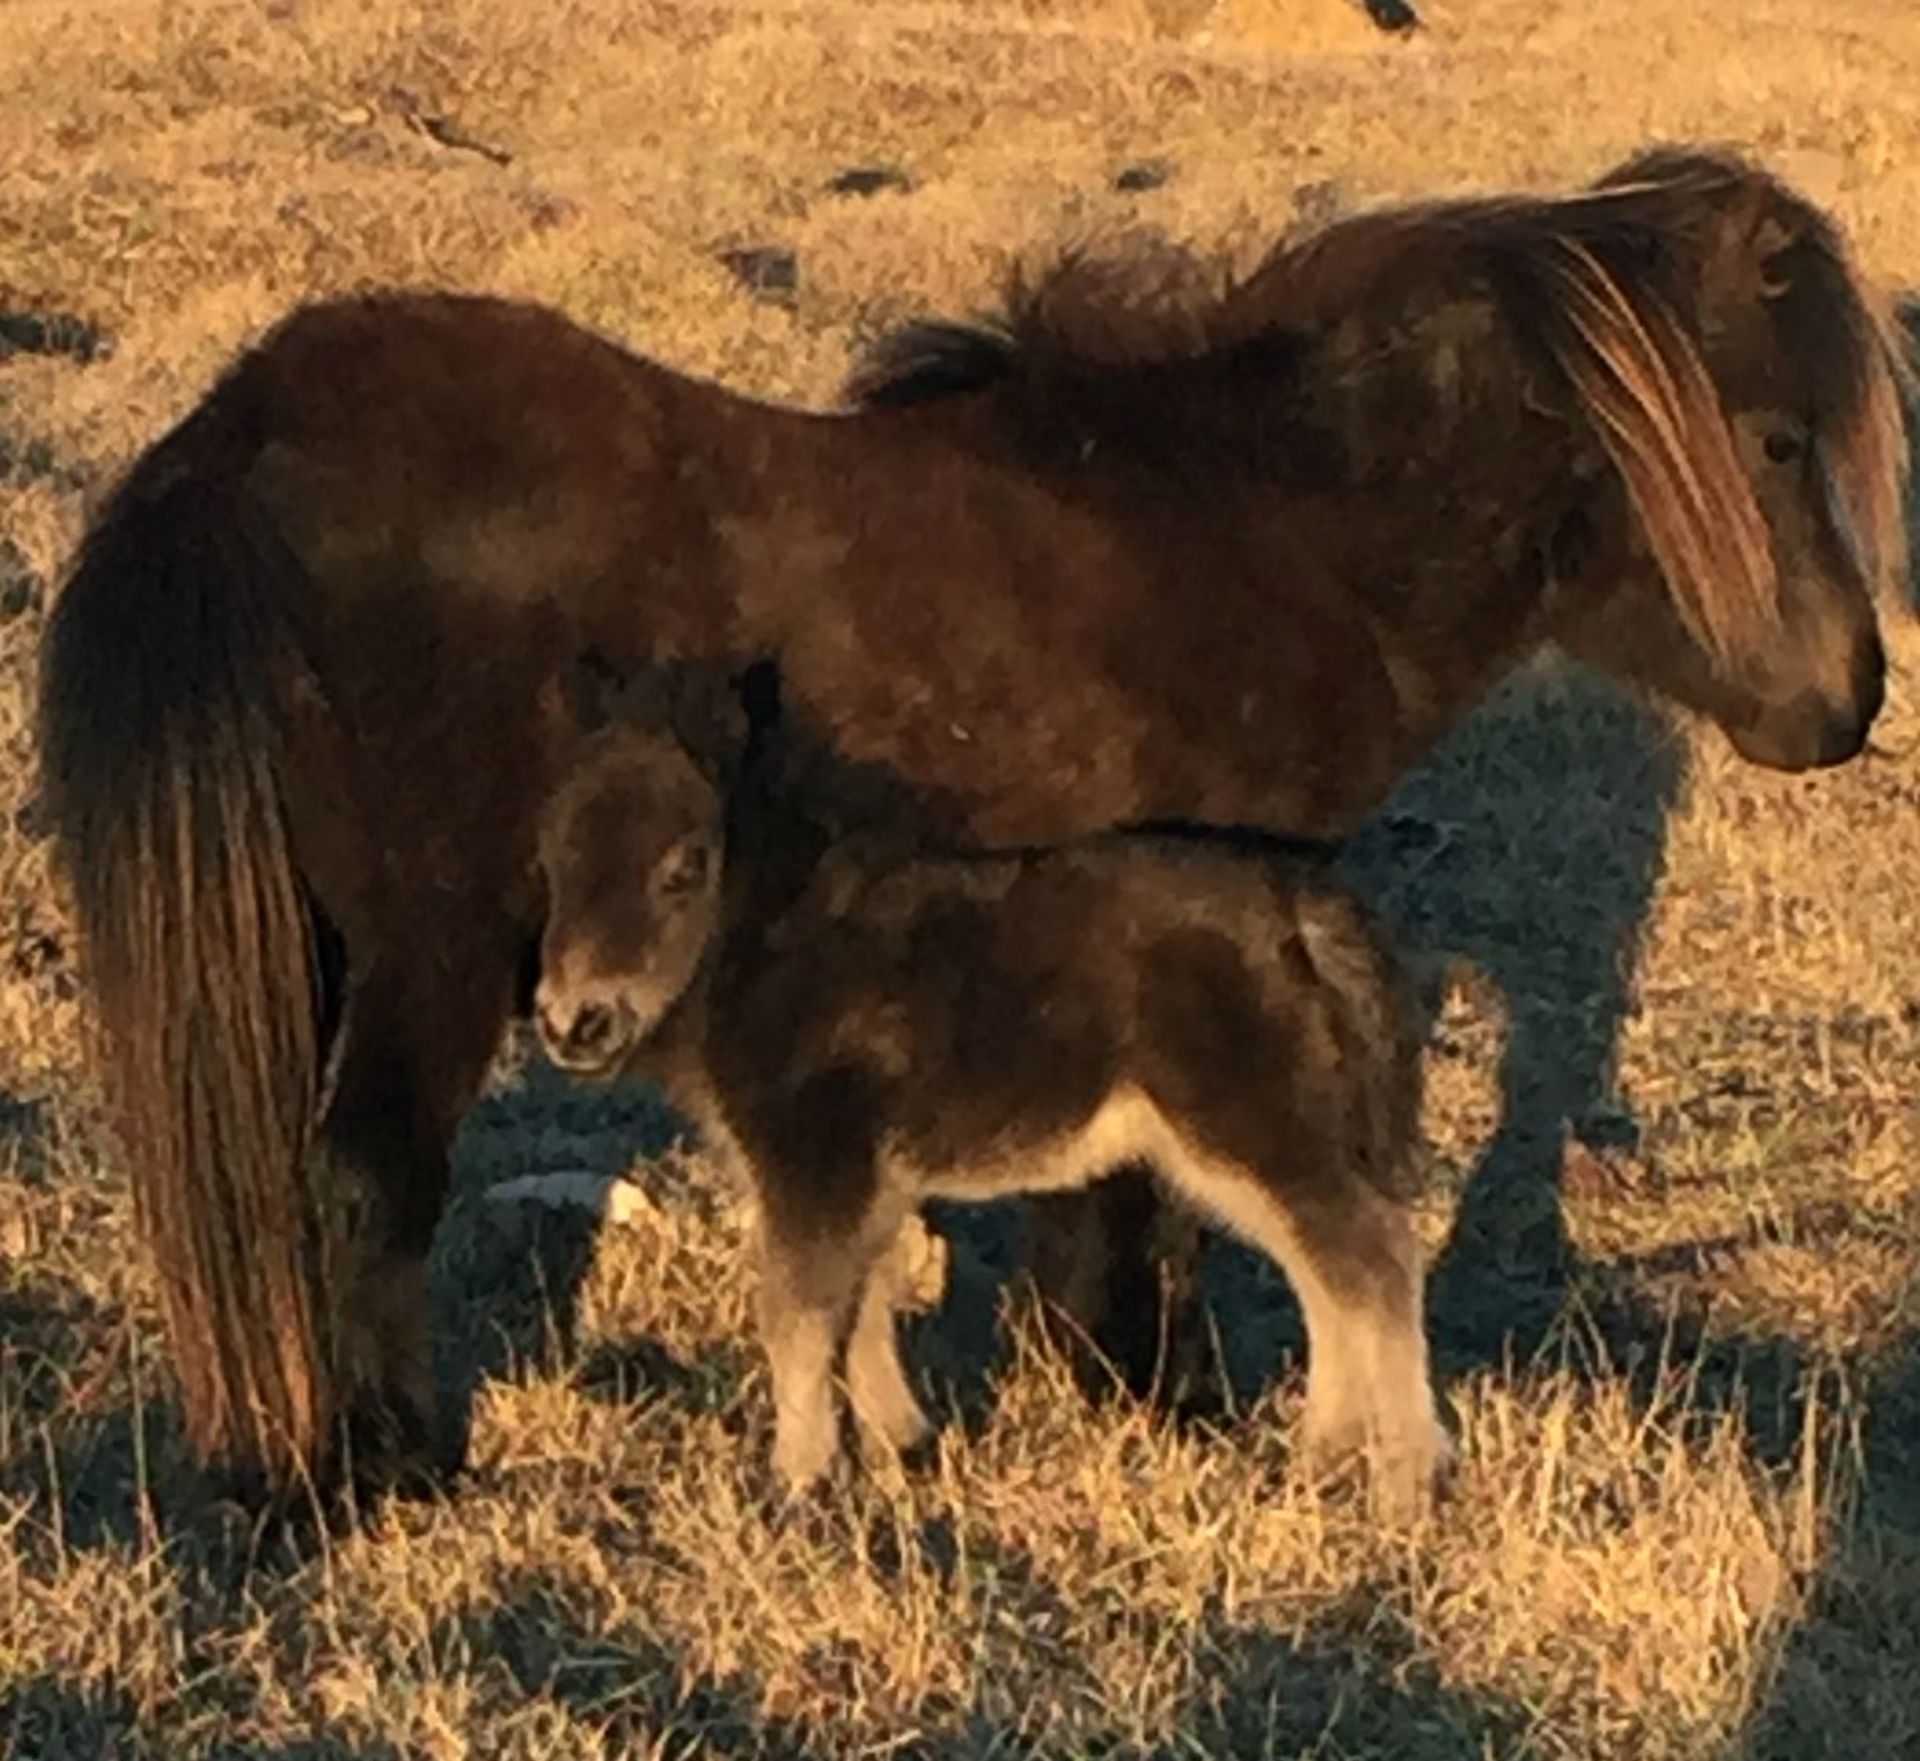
<point>900,1028</point>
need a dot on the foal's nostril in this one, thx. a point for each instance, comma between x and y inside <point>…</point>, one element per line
<point>591,1031</point>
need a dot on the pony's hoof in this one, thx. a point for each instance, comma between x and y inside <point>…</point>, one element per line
<point>397,1447</point>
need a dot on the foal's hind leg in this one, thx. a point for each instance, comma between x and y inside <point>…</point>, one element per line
<point>1357,1267</point>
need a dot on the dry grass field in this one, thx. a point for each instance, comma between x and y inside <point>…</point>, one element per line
<point>1671,1073</point>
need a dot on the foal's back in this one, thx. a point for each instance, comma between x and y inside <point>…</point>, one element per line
<point>1004,1018</point>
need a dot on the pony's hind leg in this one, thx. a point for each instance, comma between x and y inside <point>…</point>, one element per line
<point>390,1176</point>
<point>406,1074</point>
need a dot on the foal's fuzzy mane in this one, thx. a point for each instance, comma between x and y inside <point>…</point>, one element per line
<point>1595,281</point>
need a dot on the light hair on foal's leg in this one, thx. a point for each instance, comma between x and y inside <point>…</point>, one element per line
<point>1358,1269</point>
<point>884,1405</point>
<point>810,1289</point>
<point>801,1328</point>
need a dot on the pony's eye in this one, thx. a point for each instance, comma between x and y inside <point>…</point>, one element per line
<point>1784,448</point>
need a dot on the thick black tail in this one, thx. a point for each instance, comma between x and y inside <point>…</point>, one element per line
<point>162,740</point>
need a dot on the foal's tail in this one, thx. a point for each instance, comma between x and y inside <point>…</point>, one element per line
<point>163,742</point>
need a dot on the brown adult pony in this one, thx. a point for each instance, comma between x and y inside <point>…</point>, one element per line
<point>1238,561</point>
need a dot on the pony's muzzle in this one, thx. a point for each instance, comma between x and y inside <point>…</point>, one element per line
<point>1816,728</point>
<point>588,1039</point>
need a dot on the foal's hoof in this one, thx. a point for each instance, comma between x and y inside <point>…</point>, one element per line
<point>1402,1475</point>
<point>1406,1482</point>
<point>810,1508</point>
<point>893,1436</point>
<point>891,1460</point>
<point>804,1468</point>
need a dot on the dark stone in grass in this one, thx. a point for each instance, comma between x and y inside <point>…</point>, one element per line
<point>32,820</point>
<point>37,955</point>
<point>868,180</point>
<point>769,272</point>
<point>52,333</point>
<point>1148,174</point>
<point>21,589</point>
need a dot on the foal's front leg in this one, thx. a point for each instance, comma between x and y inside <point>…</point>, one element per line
<point>910,1274</point>
<point>828,1250</point>
<point>804,1309</point>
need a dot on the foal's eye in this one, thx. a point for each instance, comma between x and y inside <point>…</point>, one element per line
<point>1784,448</point>
<point>683,870</point>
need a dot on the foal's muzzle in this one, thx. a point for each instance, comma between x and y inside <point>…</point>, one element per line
<point>591,1040</point>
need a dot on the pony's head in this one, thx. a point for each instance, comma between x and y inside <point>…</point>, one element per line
<point>630,850</point>
<point>1747,389</point>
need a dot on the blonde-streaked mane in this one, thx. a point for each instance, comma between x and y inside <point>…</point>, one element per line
<point>1607,283</point>
<point>1638,375</point>
<point>1843,328</point>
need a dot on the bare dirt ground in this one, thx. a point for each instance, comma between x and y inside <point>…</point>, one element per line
<point>1679,1335</point>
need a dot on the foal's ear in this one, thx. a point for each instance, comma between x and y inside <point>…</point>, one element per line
<point>590,691</point>
<point>711,720</point>
<point>595,693</point>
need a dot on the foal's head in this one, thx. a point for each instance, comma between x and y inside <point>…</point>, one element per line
<point>630,850</point>
<point>1746,388</point>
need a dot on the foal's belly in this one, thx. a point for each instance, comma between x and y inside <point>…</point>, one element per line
<point>1123,1127</point>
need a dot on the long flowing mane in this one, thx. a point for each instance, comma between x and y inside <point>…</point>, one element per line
<point>1615,287</point>
<point>1844,331</point>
